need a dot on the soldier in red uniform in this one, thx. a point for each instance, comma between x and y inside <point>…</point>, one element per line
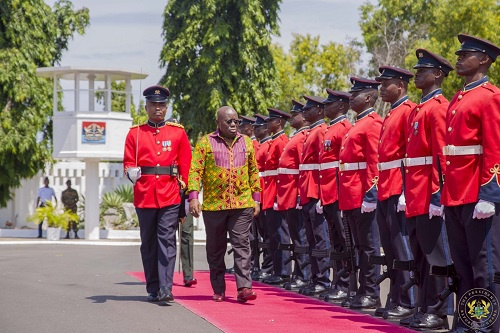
<point>288,196</point>
<point>315,223</point>
<point>471,191</point>
<point>391,200</point>
<point>358,186</point>
<point>425,226</point>
<point>277,227</point>
<point>336,107</point>
<point>157,159</point>
<point>246,127</point>
<point>262,135</point>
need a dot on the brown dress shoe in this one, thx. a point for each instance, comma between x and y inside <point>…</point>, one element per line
<point>246,294</point>
<point>218,297</point>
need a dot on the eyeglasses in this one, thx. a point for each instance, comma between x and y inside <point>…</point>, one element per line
<point>231,121</point>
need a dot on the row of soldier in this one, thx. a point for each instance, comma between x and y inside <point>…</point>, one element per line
<point>422,183</point>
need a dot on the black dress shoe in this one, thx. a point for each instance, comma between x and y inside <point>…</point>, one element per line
<point>430,321</point>
<point>153,297</point>
<point>165,295</point>
<point>295,284</point>
<point>398,312</point>
<point>336,295</point>
<point>255,275</point>
<point>264,275</point>
<point>276,279</point>
<point>365,302</point>
<point>409,320</point>
<point>379,312</point>
<point>314,289</point>
<point>230,270</point>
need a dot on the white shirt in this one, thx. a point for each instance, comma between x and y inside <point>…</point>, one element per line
<point>45,194</point>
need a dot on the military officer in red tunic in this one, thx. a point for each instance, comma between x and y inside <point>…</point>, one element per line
<point>336,107</point>
<point>262,135</point>
<point>288,195</point>
<point>157,159</point>
<point>315,223</point>
<point>425,226</point>
<point>277,227</point>
<point>358,186</point>
<point>390,198</point>
<point>471,191</point>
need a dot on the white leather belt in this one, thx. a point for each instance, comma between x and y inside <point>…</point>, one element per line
<point>414,161</point>
<point>462,150</point>
<point>389,165</point>
<point>329,165</point>
<point>286,171</point>
<point>352,166</point>
<point>268,173</point>
<point>308,167</point>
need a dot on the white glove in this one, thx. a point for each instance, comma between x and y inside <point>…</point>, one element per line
<point>133,174</point>
<point>368,207</point>
<point>319,207</point>
<point>275,206</point>
<point>186,206</point>
<point>435,211</point>
<point>483,210</point>
<point>401,203</point>
<point>298,206</point>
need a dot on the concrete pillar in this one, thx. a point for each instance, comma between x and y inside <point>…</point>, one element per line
<point>92,199</point>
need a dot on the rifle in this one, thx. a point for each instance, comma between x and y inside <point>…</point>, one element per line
<point>350,263</point>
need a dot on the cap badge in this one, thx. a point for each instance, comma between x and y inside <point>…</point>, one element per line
<point>157,92</point>
<point>420,54</point>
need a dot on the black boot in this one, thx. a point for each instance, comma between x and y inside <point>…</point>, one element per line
<point>67,235</point>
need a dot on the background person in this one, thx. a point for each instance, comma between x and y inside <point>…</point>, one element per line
<point>45,195</point>
<point>69,198</point>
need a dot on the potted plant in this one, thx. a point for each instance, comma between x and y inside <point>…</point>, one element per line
<point>55,219</point>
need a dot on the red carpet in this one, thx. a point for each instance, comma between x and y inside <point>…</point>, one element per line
<point>274,310</point>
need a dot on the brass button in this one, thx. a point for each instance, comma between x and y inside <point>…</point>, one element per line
<point>320,176</point>
<point>406,170</point>
<point>447,162</point>
<point>406,155</point>
<point>453,112</point>
<point>277,181</point>
<point>460,96</point>
<point>158,153</point>
<point>157,131</point>
<point>340,161</point>
<point>408,139</point>
<point>449,129</point>
<point>157,176</point>
<point>157,142</point>
<point>418,109</point>
<point>158,164</point>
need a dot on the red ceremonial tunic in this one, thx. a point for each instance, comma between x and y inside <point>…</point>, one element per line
<point>360,144</point>
<point>426,131</point>
<point>261,157</point>
<point>473,118</point>
<point>278,143</point>
<point>288,171</point>
<point>164,145</point>
<point>391,148</point>
<point>329,155</point>
<point>309,162</point>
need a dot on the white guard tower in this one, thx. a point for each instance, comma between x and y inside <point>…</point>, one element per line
<point>87,127</point>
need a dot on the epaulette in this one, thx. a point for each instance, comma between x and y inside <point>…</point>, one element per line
<point>488,85</point>
<point>173,124</point>
<point>135,126</point>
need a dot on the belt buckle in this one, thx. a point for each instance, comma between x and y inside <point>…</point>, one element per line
<point>342,167</point>
<point>406,161</point>
<point>379,166</point>
<point>174,171</point>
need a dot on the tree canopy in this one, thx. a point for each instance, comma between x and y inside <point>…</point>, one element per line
<point>217,52</point>
<point>308,68</point>
<point>32,34</point>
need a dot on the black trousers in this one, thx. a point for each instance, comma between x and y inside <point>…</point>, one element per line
<point>218,224</point>
<point>430,247</point>
<point>366,239</point>
<point>299,239</point>
<point>277,229</point>
<point>267,259</point>
<point>336,231</point>
<point>396,245</point>
<point>318,238</point>
<point>158,245</point>
<point>475,250</point>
